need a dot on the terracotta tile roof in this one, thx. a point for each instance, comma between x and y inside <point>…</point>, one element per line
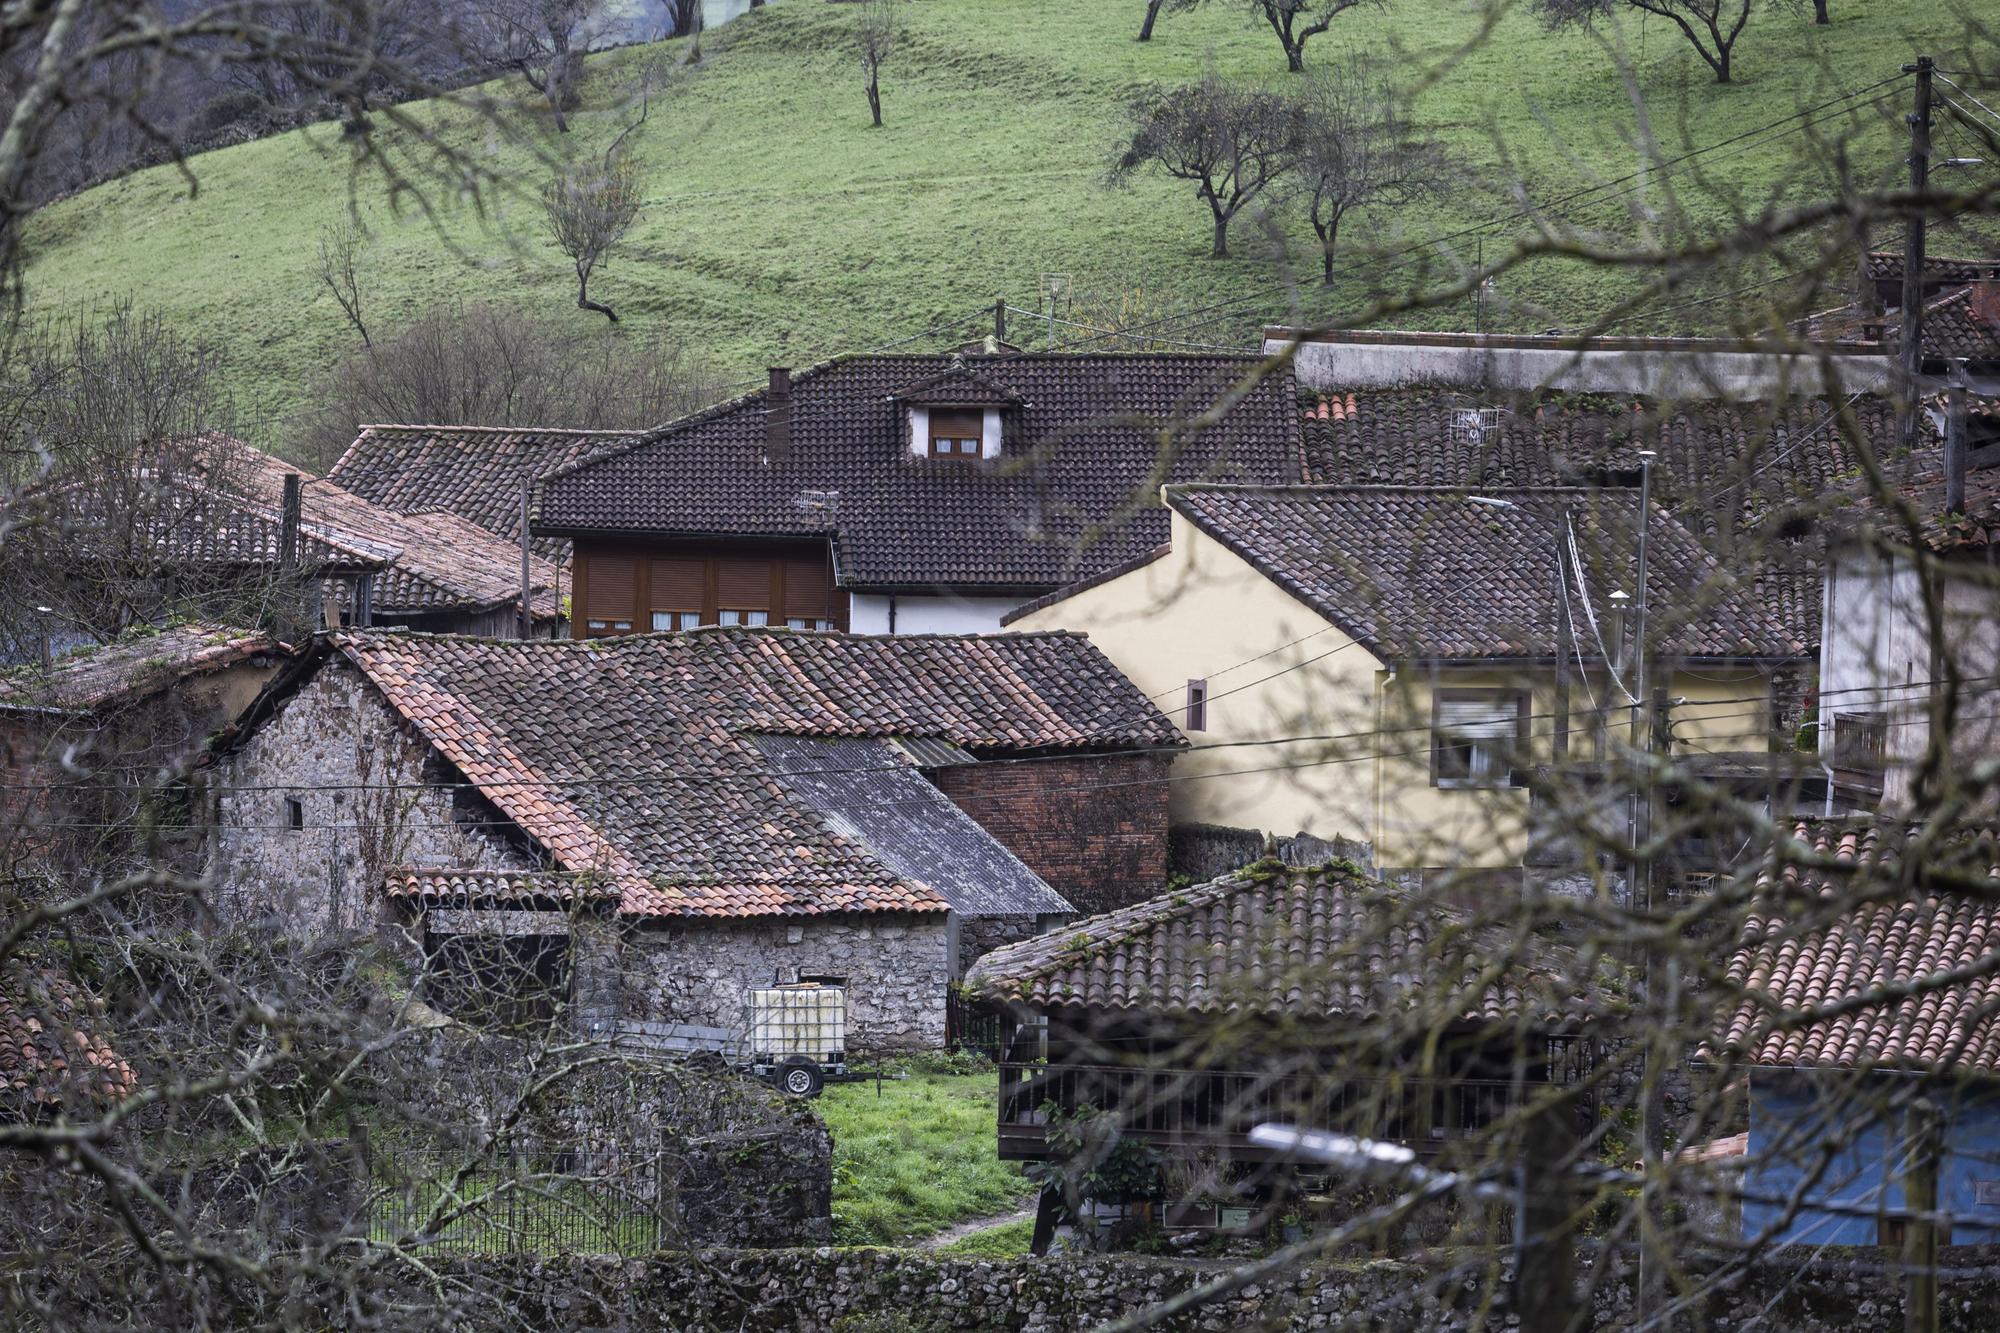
<point>476,472</point>
<point>1857,942</point>
<point>1415,572</point>
<point>231,514</point>
<point>51,1052</point>
<point>1887,266</point>
<point>1857,508</point>
<point>437,560</point>
<point>136,666</point>
<point>636,758</point>
<point>1961,325</point>
<point>1322,942</point>
<point>1081,451</point>
<point>490,887</point>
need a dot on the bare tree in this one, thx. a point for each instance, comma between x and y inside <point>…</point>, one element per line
<point>340,246</point>
<point>490,365</point>
<point>1710,26</point>
<point>1153,9</point>
<point>588,208</point>
<point>1296,22</point>
<point>542,40</point>
<point>875,42</point>
<point>1356,150</point>
<point>1232,143</point>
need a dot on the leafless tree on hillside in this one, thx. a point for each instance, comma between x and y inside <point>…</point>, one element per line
<point>1296,22</point>
<point>874,43</point>
<point>1232,143</point>
<point>543,41</point>
<point>1712,27</point>
<point>490,365</point>
<point>588,207</point>
<point>1357,151</point>
<point>340,245</point>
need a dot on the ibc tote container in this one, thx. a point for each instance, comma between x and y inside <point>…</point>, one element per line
<point>808,1020</point>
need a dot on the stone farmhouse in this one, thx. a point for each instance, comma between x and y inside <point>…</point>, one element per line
<point>1455,640</point>
<point>646,828</point>
<point>83,739</point>
<point>902,494</point>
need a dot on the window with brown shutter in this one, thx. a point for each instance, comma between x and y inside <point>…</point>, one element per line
<point>956,434</point>
<point>808,594</point>
<point>679,590</point>
<point>611,595</point>
<point>743,591</point>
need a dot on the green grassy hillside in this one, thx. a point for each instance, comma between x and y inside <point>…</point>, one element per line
<point>779,227</point>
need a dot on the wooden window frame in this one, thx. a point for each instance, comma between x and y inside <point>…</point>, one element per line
<point>1874,759</point>
<point>1523,701</point>
<point>828,606</point>
<point>295,814</point>
<point>956,446</point>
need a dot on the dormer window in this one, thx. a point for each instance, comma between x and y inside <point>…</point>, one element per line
<point>956,433</point>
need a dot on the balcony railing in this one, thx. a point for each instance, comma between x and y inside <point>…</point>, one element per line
<point>1217,1108</point>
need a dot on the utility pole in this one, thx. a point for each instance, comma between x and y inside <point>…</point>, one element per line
<point>1913,252</point>
<point>1000,320</point>
<point>527,608</point>
<point>1920,1201</point>
<point>1650,718</point>
<point>1954,440</point>
<point>1559,609</point>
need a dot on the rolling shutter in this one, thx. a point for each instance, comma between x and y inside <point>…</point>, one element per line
<point>1480,719</point>
<point>808,590</point>
<point>743,584</point>
<point>679,583</point>
<point>612,585</point>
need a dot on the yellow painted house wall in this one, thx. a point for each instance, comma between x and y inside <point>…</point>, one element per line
<point>1277,668</point>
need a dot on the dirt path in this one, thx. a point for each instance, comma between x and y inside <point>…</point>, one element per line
<point>966,1228</point>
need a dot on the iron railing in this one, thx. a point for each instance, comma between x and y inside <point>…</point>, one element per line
<point>1217,1108</point>
<point>579,1197</point>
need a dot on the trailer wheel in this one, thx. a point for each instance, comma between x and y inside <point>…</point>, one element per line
<point>800,1077</point>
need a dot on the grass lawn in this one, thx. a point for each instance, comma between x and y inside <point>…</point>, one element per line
<point>778,227</point>
<point>1009,1240</point>
<point>917,1159</point>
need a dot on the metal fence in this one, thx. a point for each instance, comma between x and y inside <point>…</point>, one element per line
<point>578,1196</point>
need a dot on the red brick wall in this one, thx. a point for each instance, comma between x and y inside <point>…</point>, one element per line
<point>1095,828</point>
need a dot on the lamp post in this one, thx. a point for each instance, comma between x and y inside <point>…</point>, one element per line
<point>1563,647</point>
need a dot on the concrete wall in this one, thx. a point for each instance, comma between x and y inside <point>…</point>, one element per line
<point>896,967</point>
<point>871,613</point>
<point>1796,1120</point>
<point>1093,827</point>
<point>1277,668</point>
<point>1658,368</point>
<point>342,753</point>
<point>1875,657</point>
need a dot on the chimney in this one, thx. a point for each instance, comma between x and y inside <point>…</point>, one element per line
<point>1954,440</point>
<point>1986,301</point>
<point>778,416</point>
<point>288,525</point>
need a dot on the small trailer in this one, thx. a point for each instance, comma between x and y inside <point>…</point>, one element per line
<point>794,1037</point>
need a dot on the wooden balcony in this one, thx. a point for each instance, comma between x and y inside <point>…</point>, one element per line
<point>1215,1109</point>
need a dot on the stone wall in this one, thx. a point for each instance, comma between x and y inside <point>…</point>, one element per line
<point>1202,852</point>
<point>900,1291</point>
<point>339,751</point>
<point>1094,827</point>
<point>981,935</point>
<point>896,967</point>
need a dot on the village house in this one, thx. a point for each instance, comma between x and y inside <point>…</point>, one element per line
<point>1864,1008</point>
<point>1913,616</point>
<point>1390,664</point>
<point>646,828</point>
<point>1304,996</point>
<point>234,530</point>
<point>480,473</point>
<point>903,494</point>
<point>87,738</point>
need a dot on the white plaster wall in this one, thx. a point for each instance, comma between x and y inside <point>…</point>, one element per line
<point>868,613</point>
<point>1694,373</point>
<point>1875,657</point>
